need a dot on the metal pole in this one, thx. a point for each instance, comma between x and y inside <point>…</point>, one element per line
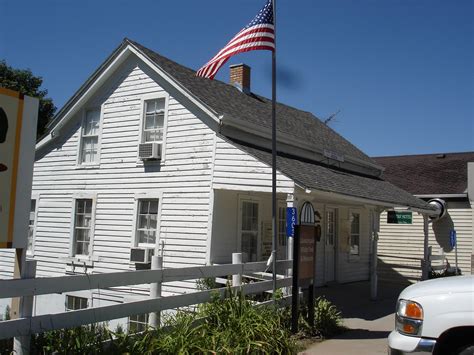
<point>155,291</point>
<point>294,289</point>
<point>274,152</point>
<point>373,265</point>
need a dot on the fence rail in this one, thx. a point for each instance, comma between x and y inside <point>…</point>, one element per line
<point>41,286</point>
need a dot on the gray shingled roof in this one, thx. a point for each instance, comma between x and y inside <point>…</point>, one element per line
<point>428,174</point>
<point>314,175</point>
<point>227,99</point>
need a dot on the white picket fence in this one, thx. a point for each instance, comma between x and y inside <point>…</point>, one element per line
<point>41,286</point>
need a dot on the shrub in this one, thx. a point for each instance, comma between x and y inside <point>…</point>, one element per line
<point>327,318</point>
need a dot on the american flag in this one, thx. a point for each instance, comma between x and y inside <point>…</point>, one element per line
<point>259,34</point>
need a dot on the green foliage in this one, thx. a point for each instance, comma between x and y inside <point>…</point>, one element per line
<point>80,340</point>
<point>25,82</point>
<point>328,319</point>
<point>206,283</point>
<point>232,325</point>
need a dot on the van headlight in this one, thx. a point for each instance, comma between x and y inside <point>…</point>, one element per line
<point>409,317</point>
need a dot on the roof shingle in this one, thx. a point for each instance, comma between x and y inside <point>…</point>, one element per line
<point>227,99</point>
<point>428,174</point>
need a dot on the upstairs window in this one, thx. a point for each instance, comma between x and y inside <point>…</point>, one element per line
<point>154,120</point>
<point>82,227</point>
<point>147,221</point>
<point>90,138</point>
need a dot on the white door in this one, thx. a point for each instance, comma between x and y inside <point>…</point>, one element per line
<point>330,245</point>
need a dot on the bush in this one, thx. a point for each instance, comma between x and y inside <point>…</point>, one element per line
<point>232,325</point>
<point>81,340</point>
<point>327,318</point>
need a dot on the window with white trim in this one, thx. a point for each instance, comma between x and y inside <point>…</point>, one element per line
<point>138,323</point>
<point>90,138</point>
<point>282,226</point>
<point>154,120</point>
<point>147,222</point>
<point>355,234</point>
<point>31,226</point>
<point>74,303</point>
<point>82,227</point>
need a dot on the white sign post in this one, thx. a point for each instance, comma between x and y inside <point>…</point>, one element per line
<point>18,117</point>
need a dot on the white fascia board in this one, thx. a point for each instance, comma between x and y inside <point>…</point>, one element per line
<point>365,201</point>
<point>83,97</point>
<point>285,138</point>
<point>211,113</point>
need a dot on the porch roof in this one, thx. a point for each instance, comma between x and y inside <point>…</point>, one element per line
<point>322,177</point>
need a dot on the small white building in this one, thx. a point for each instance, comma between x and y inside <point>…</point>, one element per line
<point>447,176</point>
<point>147,155</point>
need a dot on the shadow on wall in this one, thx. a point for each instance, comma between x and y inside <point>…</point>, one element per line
<point>403,272</point>
<point>442,229</point>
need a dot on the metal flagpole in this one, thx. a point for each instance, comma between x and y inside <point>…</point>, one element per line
<point>274,199</point>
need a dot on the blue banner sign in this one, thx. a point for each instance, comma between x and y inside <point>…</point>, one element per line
<point>291,221</point>
<point>452,238</point>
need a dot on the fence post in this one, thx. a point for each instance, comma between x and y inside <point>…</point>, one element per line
<point>155,291</point>
<point>237,278</point>
<point>21,344</point>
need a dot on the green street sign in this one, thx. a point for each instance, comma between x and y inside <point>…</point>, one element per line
<point>397,217</point>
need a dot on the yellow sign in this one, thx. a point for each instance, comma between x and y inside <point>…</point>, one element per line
<point>17,139</point>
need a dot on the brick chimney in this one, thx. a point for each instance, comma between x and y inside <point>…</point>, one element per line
<point>240,77</point>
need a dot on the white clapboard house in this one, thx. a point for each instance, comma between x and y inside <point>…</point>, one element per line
<point>449,177</point>
<point>146,156</point>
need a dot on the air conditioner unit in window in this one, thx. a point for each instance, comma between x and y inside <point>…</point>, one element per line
<point>141,255</point>
<point>149,151</point>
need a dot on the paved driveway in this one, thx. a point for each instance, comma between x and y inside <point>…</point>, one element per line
<point>369,322</point>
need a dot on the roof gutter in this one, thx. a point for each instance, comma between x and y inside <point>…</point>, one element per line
<point>366,201</point>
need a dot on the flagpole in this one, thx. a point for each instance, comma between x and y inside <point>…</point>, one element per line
<point>274,153</point>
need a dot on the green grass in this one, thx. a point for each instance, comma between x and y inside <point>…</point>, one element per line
<point>232,325</point>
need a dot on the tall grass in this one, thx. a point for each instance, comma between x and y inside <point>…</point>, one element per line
<point>232,325</point>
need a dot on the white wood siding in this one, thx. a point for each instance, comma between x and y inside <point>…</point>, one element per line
<point>184,179</point>
<point>237,170</point>
<point>401,246</point>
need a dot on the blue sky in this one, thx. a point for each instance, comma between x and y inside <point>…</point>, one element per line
<point>400,71</point>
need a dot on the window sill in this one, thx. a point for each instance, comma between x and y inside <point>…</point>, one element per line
<point>143,163</point>
<point>87,166</point>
